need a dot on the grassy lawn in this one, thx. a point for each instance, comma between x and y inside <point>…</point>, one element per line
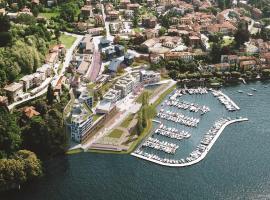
<point>116,133</point>
<point>49,15</point>
<point>127,121</point>
<point>67,40</point>
<point>163,95</point>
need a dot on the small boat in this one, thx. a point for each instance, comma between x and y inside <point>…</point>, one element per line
<point>249,94</point>
<point>265,86</point>
<point>240,91</point>
<point>253,89</point>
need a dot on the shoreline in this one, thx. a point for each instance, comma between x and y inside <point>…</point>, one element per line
<point>202,156</point>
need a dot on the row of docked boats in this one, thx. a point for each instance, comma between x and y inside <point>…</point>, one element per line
<point>157,158</point>
<point>172,132</point>
<point>184,91</point>
<point>192,107</point>
<point>178,118</point>
<point>165,146</point>
<point>227,102</point>
<point>213,131</point>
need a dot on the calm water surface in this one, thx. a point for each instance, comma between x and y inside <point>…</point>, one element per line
<point>237,167</point>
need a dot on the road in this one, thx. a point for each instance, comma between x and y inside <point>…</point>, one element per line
<point>108,34</point>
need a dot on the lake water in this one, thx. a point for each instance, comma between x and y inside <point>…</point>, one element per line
<point>237,166</point>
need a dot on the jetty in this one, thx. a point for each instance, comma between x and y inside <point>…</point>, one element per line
<point>224,99</point>
<point>195,156</point>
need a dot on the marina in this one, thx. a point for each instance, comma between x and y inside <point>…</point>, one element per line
<point>178,124</point>
<point>197,155</point>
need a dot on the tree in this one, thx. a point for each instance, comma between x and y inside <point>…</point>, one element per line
<point>35,11</point>
<point>57,34</point>
<point>10,133</point>
<point>4,23</point>
<point>50,95</point>
<point>135,21</point>
<point>139,126</point>
<point>21,167</point>
<point>26,19</point>
<point>161,31</point>
<point>32,165</point>
<point>215,53</point>
<point>242,34</point>
<point>69,11</point>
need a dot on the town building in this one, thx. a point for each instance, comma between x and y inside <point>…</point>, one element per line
<point>149,77</point>
<point>81,120</point>
<point>115,65</point>
<point>128,58</point>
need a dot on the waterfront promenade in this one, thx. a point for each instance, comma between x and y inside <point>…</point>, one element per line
<point>202,156</point>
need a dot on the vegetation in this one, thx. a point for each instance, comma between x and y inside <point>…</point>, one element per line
<point>67,40</point>
<point>127,121</point>
<point>116,133</point>
<point>23,47</point>
<point>22,166</point>
<point>22,139</point>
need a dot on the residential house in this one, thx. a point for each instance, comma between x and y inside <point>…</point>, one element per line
<point>104,42</point>
<point>86,11</point>
<point>150,33</point>
<point>96,31</point>
<point>222,67</point>
<point>129,14</point>
<point>248,65</point>
<point>149,22</point>
<point>30,111</point>
<point>115,27</point>
<point>83,67</point>
<point>86,45</point>
<point>150,3</point>
<point>194,41</point>
<point>124,3</point>
<point>134,6</point>
<point>112,15</point>
<point>14,91</point>
<point>2,11</point>
<point>3,101</point>
<point>99,21</point>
